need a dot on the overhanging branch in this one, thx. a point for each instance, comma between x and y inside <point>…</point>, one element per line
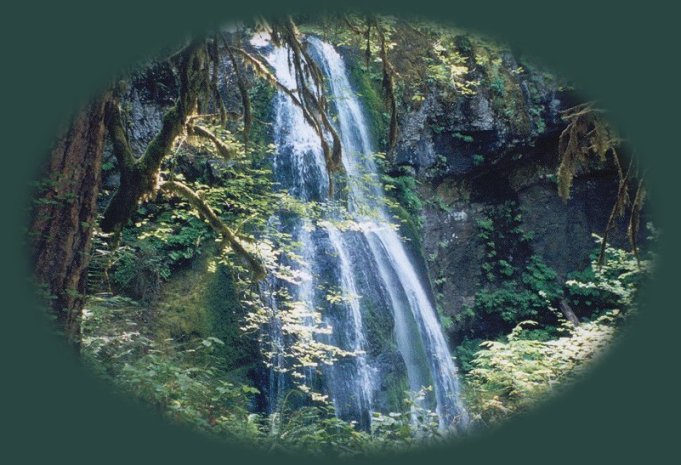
<point>182,190</point>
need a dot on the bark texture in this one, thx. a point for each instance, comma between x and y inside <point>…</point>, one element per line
<point>64,215</point>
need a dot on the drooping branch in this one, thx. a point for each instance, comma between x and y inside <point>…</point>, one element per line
<point>222,148</point>
<point>315,102</point>
<point>618,208</point>
<point>265,73</point>
<point>243,91</point>
<point>139,177</point>
<point>587,135</point>
<point>213,53</point>
<point>635,218</point>
<point>574,145</point>
<point>353,28</point>
<point>182,190</point>
<point>310,105</point>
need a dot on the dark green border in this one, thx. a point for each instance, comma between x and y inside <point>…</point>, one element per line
<point>55,56</point>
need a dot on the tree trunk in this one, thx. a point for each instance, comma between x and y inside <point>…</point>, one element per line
<point>568,313</point>
<point>63,217</point>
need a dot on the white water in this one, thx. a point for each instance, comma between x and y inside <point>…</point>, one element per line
<point>300,165</point>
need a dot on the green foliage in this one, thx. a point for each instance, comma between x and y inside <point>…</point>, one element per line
<point>497,86</point>
<point>513,301</point>
<point>189,392</point>
<point>405,201</point>
<point>312,430</point>
<point>315,430</point>
<point>509,377</point>
<point>166,237</point>
<point>399,430</point>
<point>448,68</point>
<point>261,96</point>
<point>514,287</point>
<point>511,374</point>
<point>507,98</point>
<point>378,326</point>
<point>464,137</point>
<point>179,380</point>
<point>615,284</point>
<point>185,383</point>
<point>465,353</point>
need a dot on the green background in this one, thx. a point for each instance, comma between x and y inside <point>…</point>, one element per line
<point>55,56</point>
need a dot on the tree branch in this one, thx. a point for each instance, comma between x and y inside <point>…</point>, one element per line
<point>243,91</point>
<point>116,129</point>
<point>182,190</point>
<point>332,156</point>
<point>139,177</point>
<point>222,148</point>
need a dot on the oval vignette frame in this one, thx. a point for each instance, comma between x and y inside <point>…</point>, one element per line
<point>597,383</point>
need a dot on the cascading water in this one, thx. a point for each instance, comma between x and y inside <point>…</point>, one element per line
<point>369,263</point>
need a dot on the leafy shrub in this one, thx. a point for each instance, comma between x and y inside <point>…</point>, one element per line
<point>511,374</point>
<point>510,377</point>
<point>163,238</point>
<point>614,284</point>
<point>189,392</point>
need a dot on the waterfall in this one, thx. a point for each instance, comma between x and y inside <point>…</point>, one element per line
<point>368,264</point>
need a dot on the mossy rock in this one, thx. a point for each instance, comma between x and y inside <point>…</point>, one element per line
<point>378,325</point>
<point>200,302</point>
<point>226,315</point>
<point>181,311</point>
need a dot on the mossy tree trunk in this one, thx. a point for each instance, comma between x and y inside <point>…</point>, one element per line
<point>139,177</point>
<point>64,215</point>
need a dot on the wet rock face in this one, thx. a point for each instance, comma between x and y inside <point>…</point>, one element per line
<point>147,117</point>
<point>415,147</point>
<point>148,94</point>
<point>499,144</point>
<point>511,107</point>
<point>453,253</point>
<point>561,232</point>
<point>391,370</point>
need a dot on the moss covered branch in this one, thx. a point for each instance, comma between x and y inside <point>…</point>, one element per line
<point>222,148</point>
<point>243,91</point>
<point>139,176</point>
<point>310,105</point>
<point>182,190</point>
<point>587,135</point>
